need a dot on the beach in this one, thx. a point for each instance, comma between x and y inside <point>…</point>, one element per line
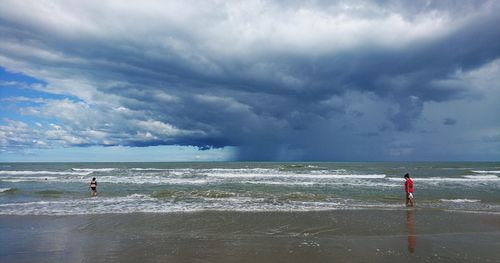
<point>249,212</point>
<point>411,235</point>
<point>249,131</point>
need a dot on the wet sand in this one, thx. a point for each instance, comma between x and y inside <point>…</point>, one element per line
<point>215,236</point>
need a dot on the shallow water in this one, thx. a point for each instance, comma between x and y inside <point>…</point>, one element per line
<point>62,188</point>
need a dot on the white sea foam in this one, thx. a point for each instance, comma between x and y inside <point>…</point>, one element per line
<point>240,170</point>
<point>134,203</point>
<point>4,189</point>
<point>310,183</point>
<point>205,178</point>
<point>45,172</point>
<point>91,170</point>
<point>446,179</point>
<point>145,203</point>
<point>489,176</point>
<point>301,176</point>
<point>207,170</point>
<point>18,179</point>
<point>486,172</point>
<point>452,168</point>
<point>335,171</point>
<point>357,176</point>
<point>281,183</point>
<point>142,203</point>
<point>140,179</point>
<point>129,179</point>
<point>460,200</point>
<point>150,169</point>
<point>314,167</point>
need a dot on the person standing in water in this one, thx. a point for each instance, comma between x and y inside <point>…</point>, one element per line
<point>409,190</point>
<point>93,187</point>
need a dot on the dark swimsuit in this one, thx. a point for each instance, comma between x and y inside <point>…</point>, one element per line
<point>93,185</point>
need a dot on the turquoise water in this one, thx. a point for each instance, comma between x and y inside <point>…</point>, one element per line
<point>62,188</point>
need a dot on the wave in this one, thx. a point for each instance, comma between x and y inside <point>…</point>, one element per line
<point>299,196</point>
<point>150,169</point>
<point>246,172</point>
<point>146,204</point>
<point>167,202</point>
<point>8,190</point>
<point>201,172</point>
<point>283,183</point>
<point>481,176</point>
<point>486,172</point>
<point>460,200</point>
<point>452,168</point>
<point>28,179</point>
<point>198,179</point>
<point>447,179</point>
<point>299,166</point>
<point>139,179</point>
<point>45,172</point>
<point>184,194</point>
<point>49,193</point>
<point>309,183</point>
<point>301,176</point>
<point>286,197</point>
<point>91,170</point>
<point>149,180</point>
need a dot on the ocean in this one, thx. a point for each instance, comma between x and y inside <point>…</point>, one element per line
<point>62,188</point>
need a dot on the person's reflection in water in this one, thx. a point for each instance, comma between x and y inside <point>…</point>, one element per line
<point>410,228</point>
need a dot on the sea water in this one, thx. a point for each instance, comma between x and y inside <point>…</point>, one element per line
<point>62,188</point>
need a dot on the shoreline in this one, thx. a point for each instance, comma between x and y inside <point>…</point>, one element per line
<point>226,236</point>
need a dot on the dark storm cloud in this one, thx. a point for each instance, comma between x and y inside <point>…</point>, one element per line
<point>449,121</point>
<point>263,76</point>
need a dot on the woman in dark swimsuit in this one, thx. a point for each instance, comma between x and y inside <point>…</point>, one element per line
<point>93,187</point>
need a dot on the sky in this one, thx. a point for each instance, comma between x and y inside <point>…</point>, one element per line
<point>249,80</point>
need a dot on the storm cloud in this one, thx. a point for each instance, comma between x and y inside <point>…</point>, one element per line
<point>319,80</point>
